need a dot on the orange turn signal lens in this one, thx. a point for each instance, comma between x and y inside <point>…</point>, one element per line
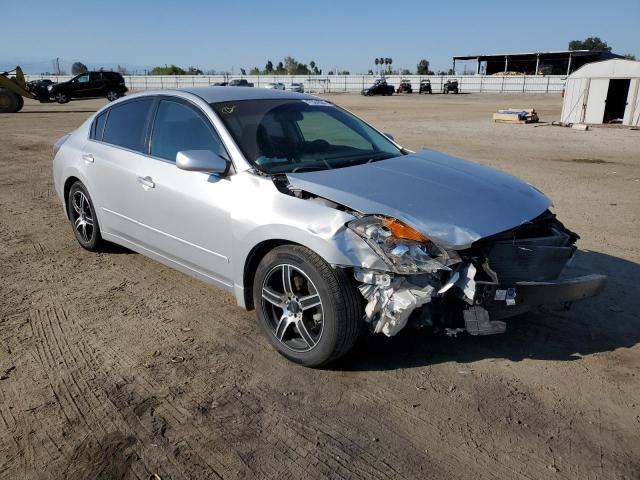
<point>400,230</point>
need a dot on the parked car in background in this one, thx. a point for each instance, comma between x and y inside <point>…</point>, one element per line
<point>425,86</point>
<point>379,87</point>
<point>221,84</point>
<point>240,82</point>
<point>297,87</point>
<point>404,87</point>
<point>275,86</point>
<point>89,85</point>
<point>306,213</point>
<point>39,88</point>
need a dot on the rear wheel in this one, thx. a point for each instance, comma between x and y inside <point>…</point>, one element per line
<point>10,102</point>
<point>308,310</point>
<point>83,217</point>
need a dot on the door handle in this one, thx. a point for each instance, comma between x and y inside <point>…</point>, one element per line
<point>87,157</point>
<point>146,181</point>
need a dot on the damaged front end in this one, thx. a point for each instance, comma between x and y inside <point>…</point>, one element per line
<point>467,290</point>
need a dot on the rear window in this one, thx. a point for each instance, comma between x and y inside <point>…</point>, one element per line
<point>112,76</point>
<point>98,126</point>
<point>126,124</point>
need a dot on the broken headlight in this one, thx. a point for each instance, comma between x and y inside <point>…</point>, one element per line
<point>402,247</point>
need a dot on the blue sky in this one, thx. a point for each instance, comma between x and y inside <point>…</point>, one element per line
<point>223,35</point>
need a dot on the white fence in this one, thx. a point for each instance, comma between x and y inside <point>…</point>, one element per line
<point>349,83</point>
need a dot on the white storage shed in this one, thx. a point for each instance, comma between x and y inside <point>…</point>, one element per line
<point>603,92</point>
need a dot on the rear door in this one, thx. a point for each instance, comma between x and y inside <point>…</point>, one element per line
<point>113,155</point>
<point>185,216</point>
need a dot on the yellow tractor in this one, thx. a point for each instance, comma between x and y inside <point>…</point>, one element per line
<point>12,91</point>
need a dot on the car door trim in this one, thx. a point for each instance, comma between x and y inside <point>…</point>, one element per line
<point>126,241</point>
<point>173,237</point>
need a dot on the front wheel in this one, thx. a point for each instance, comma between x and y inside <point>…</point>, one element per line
<point>112,95</point>
<point>10,102</point>
<point>61,97</point>
<point>83,217</point>
<point>309,311</point>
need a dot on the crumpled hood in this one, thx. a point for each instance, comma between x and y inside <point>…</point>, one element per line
<point>453,201</point>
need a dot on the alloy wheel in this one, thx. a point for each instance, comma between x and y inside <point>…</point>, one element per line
<point>82,216</point>
<point>111,96</point>
<point>292,305</point>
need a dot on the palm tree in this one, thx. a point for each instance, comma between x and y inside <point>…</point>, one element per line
<point>390,62</point>
<point>377,62</point>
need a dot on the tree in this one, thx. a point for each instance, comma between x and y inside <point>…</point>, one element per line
<point>168,70</point>
<point>268,68</point>
<point>280,68</point>
<point>595,44</point>
<point>377,62</point>
<point>423,67</point>
<point>312,65</point>
<point>78,67</point>
<point>254,71</point>
<point>406,71</point>
<point>629,56</point>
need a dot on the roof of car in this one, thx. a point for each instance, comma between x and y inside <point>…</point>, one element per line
<point>233,94</point>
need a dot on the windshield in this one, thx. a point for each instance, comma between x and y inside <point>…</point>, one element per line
<point>284,135</point>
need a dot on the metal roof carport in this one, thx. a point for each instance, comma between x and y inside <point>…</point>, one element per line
<point>603,92</point>
<point>549,63</point>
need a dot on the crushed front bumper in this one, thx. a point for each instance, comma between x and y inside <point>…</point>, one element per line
<point>523,296</point>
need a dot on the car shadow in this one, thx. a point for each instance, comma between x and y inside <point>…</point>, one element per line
<point>115,249</point>
<point>603,324</point>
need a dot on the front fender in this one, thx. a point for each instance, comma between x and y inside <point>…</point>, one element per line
<point>262,213</point>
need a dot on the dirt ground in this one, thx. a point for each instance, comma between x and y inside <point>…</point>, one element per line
<point>114,366</point>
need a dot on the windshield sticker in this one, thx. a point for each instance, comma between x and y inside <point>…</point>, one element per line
<point>318,103</point>
<point>228,109</point>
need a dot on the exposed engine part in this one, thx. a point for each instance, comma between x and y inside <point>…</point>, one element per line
<point>389,308</point>
<point>477,322</point>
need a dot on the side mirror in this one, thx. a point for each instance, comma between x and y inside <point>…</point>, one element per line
<point>389,136</point>
<point>204,161</point>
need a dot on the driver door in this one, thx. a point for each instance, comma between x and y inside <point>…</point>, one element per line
<point>81,86</point>
<point>185,215</point>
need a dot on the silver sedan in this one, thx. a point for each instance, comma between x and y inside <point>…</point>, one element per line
<point>313,218</point>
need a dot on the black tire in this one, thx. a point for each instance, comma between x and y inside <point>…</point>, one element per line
<point>20,103</point>
<point>10,101</point>
<point>82,216</point>
<point>340,308</point>
<point>112,95</point>
<point>61,97</point>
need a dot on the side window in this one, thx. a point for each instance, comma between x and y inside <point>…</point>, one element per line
<point>127,124</point>
<point>83,78</point>
<point>178,127</point>
<point>98,126</point>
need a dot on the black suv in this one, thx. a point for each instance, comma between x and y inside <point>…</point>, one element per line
<point>87,85</point>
